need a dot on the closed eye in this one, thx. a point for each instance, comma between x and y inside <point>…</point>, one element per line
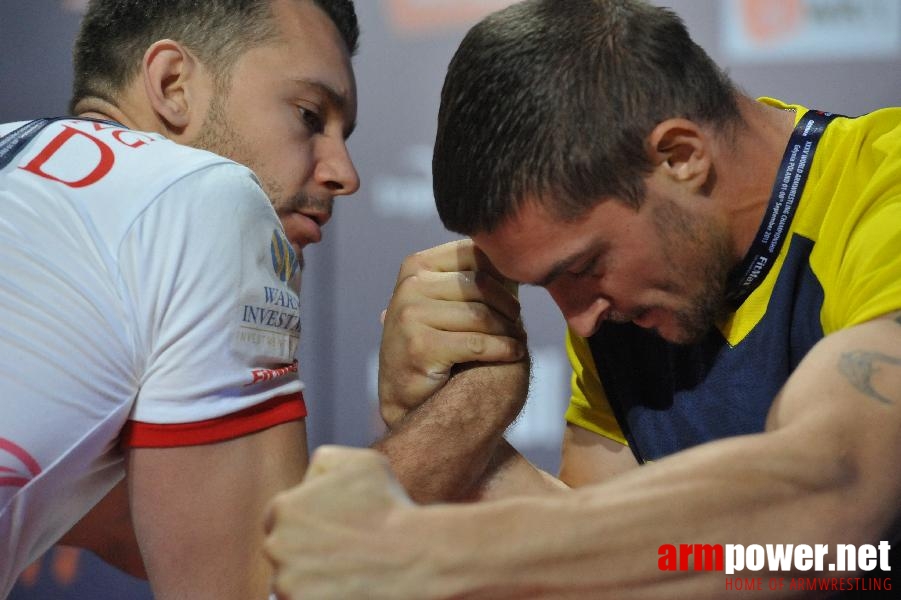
<point>586,269</point>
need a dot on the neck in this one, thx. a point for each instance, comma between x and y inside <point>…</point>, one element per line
<point>97,108</point>
<point>124,113</point>
<point>751,166</point>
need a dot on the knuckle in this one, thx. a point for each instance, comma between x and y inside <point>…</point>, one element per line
<point>272,548</point>
<point>409,313</point>
<point>411,262</point>
<point>480,317</point>
<point>417,346</point>
<point>417,262</point>
<point>465,278</point>
<point>401,287</point>
<point>475,343</point>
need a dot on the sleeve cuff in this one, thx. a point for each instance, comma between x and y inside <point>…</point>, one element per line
<point>282,409</point>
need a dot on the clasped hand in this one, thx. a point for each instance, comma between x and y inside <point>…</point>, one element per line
<point>450,306</point>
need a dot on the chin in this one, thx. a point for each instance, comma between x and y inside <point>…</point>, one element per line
<point>683,336</point>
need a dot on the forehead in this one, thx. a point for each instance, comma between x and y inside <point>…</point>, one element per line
<point>308,48</point>
<point>534,246</point>
<point>525,246</point>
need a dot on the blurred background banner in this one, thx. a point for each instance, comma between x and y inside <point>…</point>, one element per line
<point>775,31</point>
<point>424,17</point>
<point>838,55</point>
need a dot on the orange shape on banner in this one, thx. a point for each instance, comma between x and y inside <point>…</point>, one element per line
<point>64,562</point>
<point>767,20</point>
<point>65,565</point>
<point>420,16</point>
<point>29,576</point>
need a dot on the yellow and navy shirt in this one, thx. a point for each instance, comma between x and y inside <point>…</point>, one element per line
<point>840,266</point>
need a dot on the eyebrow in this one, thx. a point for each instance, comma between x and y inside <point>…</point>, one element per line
<point>335,98</point>
<point>558,269</point>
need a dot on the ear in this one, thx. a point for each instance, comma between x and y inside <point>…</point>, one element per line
<point>682,150</point>
<point>174,83</point>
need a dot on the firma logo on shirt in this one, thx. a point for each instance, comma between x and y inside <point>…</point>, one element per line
<point>284,260</point>
<point>17,467</point>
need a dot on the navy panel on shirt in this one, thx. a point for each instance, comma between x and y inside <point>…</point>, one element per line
<point>669,398</point>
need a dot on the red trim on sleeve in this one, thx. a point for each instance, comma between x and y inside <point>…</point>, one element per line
<point>276,411</point>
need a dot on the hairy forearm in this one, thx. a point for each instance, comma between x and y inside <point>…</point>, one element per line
<point>440,450</point>
<point>606,539</point>
<point>818,475</point>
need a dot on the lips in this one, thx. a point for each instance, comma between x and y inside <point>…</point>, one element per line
<point>301,229</point>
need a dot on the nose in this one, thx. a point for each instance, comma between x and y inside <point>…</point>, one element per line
<point>583,310</point>
<point>335,169</point>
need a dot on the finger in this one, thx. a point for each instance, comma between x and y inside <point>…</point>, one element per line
<point>469,347</point>
<point>441,315</point>
<point>450,347</point>
<point>468,286</point>
<point>459,255</point>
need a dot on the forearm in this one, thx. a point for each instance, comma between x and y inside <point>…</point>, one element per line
<point>509,474</point>
<point>818,475</point>
<point>440,450</point>
<point>606,539</point>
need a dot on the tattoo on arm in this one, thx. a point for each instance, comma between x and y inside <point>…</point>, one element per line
<point>898,319</point>
<point>859,367</point>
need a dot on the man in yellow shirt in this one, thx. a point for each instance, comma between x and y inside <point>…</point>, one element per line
<point>730,273</point>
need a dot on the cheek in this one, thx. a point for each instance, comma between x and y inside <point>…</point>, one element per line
<point>652,260</point>
<point>290,166</point>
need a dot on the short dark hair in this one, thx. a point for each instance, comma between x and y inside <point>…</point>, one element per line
<point>115,34</point>
<point>552,101</point>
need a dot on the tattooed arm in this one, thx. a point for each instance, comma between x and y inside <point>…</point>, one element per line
<point>823,472</point>
<point>861,369</point>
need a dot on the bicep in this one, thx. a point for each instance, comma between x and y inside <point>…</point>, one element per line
<point>198,511</point>
<point>844,400</point>
<point>590,458</point>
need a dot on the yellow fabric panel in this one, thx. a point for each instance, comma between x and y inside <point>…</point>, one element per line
<point>588,406</point>
<point>860,267</point>
<point>852,208</point>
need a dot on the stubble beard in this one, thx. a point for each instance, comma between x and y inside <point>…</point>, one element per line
<point>709,249</point>
<point>217,135</point>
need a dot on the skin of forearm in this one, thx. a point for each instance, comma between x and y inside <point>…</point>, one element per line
<point>510,474</point>
<point>756,489</point>
<point>440,450</point>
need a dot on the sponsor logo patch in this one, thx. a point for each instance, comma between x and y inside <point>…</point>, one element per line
<point>284,259</point>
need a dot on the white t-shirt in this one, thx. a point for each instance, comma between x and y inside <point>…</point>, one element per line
<point>148,298</point>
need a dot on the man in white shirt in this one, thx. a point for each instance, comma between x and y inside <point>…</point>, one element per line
<point>150,289</point>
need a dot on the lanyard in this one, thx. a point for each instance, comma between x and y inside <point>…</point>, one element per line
<point>14,141</point>
<point>787,190</point>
